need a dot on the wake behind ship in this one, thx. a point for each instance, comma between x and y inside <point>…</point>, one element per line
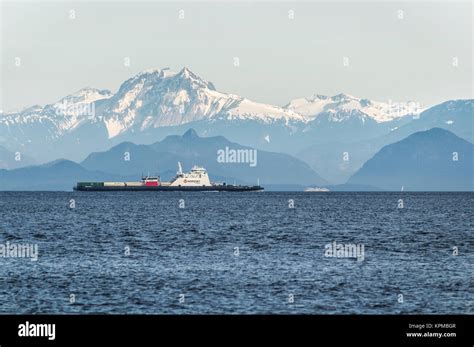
<point>195,180</point>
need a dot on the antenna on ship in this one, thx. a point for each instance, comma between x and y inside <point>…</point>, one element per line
<point>180,169</point>
<point>258,182</point>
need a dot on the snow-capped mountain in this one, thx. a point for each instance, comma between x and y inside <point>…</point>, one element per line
<point>341,107</point>
<point>455,116</point>
<point>157,102</point>
<point>63,116</point>
<point>157,98</point>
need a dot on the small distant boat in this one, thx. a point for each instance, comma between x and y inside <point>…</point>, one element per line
<point>316,190</point>
<point>196,180</point>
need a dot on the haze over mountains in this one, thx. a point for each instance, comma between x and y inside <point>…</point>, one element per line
<point>190,149</point>
<point>334,135</point>
<point>327,158</point>
<point>157,103</point>
<point>128,161</point>
<point>430,160</point>
<point>10,160</point>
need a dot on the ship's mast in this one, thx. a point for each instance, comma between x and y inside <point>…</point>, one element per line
<point>180,169</point>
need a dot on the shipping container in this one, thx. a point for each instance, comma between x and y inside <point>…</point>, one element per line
<point>114,184</point>
<point>91,184</point>
<point>134,184</point>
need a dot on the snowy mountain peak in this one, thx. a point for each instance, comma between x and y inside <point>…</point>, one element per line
<point>157,79</point>
<point>347,106</point>
<point>32,109</point>
<point>186,72</point>
<point>152,71</point>
<point>92,91</point>
<point>86,95</point>
<point>343,97</point>
<point>153,99</point>
<point>148,77</point>
<point>157,98</point>
<point>194,80</point>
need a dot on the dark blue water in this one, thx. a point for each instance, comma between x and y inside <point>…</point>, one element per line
<point>190,253</point>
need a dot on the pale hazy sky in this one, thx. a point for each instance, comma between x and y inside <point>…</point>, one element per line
<point>390,58</point>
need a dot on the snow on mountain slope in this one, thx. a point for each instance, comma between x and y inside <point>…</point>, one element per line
<point>62,116</point>
<point>79,107</point>
<point>84,96</point>
<point>342,106</point>
<point>156,98</point>
<point>247,109</point>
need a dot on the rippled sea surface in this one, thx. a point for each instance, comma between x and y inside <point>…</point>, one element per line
<point>139,252</point>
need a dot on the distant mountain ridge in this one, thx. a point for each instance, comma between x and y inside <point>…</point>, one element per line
<point>128,161</point>
<point>432,160</point>
<point>327,158</point>
<point>320,130</point>
<point>191,149</point>
<point>156,103</point>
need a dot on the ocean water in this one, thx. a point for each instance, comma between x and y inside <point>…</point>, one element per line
<point>139,252</point>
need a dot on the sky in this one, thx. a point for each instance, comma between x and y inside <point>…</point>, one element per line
<point>391,51</point>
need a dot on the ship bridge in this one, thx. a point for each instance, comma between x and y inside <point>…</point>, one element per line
<point>197,177</point>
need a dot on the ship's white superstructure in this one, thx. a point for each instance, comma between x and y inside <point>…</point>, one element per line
<point>197,177</point>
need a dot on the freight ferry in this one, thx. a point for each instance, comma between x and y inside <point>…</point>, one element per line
<point>195,180</point>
